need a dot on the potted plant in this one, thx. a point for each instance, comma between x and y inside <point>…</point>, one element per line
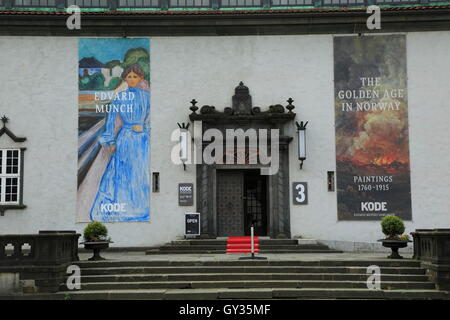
<point>96,239</point>
<point>393,227</point>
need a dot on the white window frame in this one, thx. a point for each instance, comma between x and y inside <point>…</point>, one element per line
<point>4,176</point>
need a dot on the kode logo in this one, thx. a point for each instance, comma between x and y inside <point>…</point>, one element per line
<point>373,206</point>
<point>186,189</point>
<point>113,207</point>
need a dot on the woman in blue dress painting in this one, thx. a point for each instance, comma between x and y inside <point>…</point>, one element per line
<point>123,193</point>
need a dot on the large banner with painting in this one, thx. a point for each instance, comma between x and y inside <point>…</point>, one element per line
<point>371,115</point>
<point>113,130</point>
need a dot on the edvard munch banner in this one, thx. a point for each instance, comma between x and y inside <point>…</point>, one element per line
<point>114,130</point>
<point>371,114</point>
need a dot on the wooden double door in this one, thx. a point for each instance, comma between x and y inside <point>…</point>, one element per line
<point>242,201</point>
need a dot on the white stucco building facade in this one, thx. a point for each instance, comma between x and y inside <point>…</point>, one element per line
<point>39,90</point>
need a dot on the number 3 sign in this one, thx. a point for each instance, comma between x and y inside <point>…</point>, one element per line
<point>300,192</point>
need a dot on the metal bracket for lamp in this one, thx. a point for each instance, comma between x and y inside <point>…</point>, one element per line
<point>183,142</point>
<point>301,163</point>
<point>301,138</point>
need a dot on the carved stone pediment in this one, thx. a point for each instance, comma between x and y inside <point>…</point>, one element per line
<point>242,110</point>
<point>242,101</point>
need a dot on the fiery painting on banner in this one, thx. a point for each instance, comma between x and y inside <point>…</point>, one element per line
<point>371,117</point>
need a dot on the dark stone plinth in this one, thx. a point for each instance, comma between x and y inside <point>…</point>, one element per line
<point>42,257</point>
<point>432,248</point>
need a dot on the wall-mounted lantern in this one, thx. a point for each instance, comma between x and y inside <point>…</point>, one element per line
<point>330,180</point>
<point>301,138</point>
<point>184,143</point>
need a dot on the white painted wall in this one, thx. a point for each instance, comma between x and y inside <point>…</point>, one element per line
<point>39,91</point>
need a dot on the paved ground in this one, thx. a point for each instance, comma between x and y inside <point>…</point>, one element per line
<point>141,256</point>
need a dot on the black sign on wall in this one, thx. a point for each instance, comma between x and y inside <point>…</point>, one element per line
<point>185,194</point>
<point>300,192</point>
<point>192,224</point>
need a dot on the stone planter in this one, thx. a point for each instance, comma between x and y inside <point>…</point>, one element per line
<point>96,247</point>
<point>394,245</point>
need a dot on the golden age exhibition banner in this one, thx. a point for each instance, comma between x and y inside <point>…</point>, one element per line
<point>371,116</point>
<point>113,130</point>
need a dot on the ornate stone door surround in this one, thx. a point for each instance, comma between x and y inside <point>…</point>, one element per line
<point>242,115</point>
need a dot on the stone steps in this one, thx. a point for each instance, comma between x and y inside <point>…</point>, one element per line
<point>216,246</point>
<point>224,242</point>
<point>253,293</point>
<point>392,285</point>
<point>269,262</point>
<point>246,276</point>
<point>246,269</point>
<point>220,251</point>
<point>249,279</point>
<point>261,247</point>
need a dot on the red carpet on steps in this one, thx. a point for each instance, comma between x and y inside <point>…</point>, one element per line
<point>242,244</point>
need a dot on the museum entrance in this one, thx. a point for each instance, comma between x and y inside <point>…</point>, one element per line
<point>242,200</point>
<point>232,194</point>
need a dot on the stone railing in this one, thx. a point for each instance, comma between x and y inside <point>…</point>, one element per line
<point>432,248</point>
<point>45,248</point>
<point>36,262</point>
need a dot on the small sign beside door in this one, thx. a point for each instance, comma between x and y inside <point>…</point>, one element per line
<point>185,194</point>
<point>192,223</point>
<point>300,192</point>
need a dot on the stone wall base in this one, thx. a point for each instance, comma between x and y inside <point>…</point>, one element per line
<point>32,279</point>
<point>439,274</point>
<point>351,246</point>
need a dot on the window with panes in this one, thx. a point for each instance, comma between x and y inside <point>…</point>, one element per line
<point>10,171</point>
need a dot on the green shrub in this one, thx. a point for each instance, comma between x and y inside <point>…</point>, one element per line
<point>95,231</point>
<point>392,226</point>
